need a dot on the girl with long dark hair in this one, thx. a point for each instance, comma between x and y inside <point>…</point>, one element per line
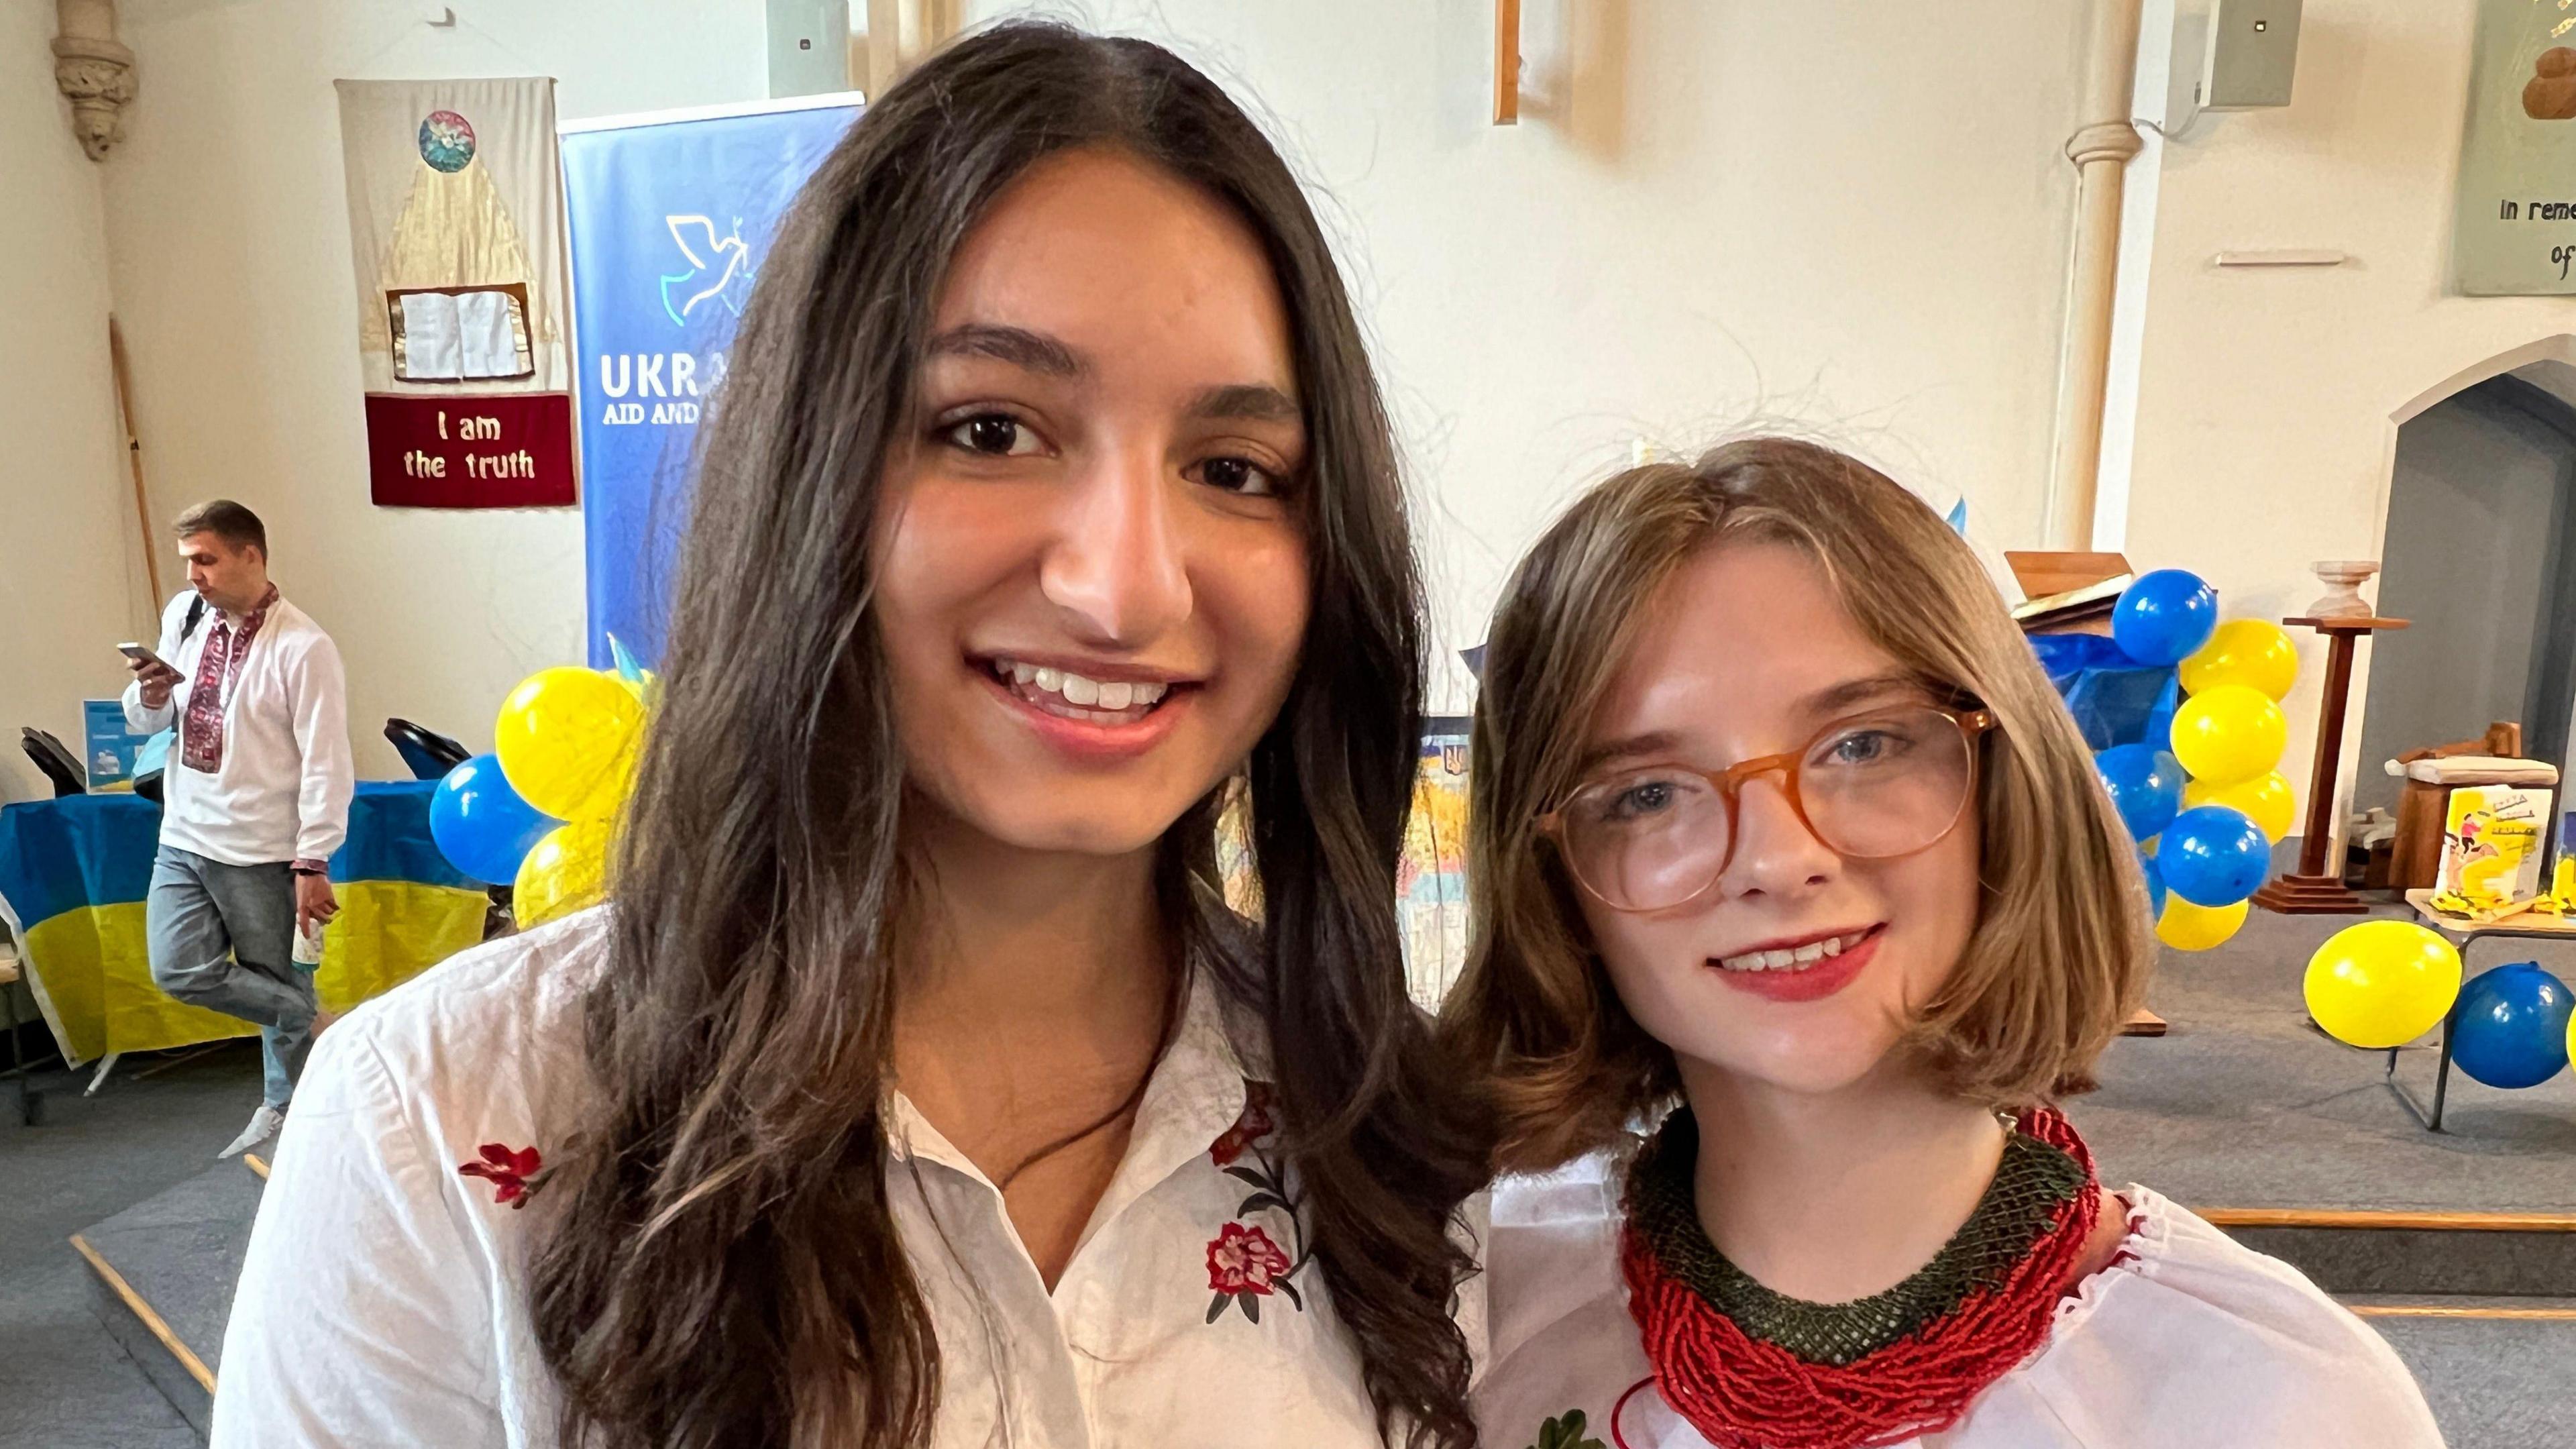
<point>919,1088</point>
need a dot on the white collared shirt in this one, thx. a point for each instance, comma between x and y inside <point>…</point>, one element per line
<point>2188,1340</point>
<point>384,1299</point>
<point>282,790</point>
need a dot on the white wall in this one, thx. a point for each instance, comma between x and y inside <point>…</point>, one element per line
<point>1846,214</point>
<point>2269,399</point>
<point>69,568</point>
<point>1842,214</point>
<point>228,227</point>
<point>1850,213</point>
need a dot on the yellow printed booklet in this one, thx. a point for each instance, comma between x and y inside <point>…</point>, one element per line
<point>2493,838</point>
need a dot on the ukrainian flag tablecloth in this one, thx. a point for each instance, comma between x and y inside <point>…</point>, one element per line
<point>73,873</point>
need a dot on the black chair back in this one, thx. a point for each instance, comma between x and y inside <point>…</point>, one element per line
<point>430,754</point>
<point>60,765</point>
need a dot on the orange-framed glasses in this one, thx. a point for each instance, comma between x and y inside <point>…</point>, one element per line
<point>1871,786</point>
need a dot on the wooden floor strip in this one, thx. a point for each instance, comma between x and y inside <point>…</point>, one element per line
<point>2374,1218</point>
<point>2409,1310</point>
<point>116,1283</point>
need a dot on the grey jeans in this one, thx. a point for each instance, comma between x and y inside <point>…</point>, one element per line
<point>223,937</point>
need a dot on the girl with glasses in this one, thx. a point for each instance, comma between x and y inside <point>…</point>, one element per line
<point>1777,824</point>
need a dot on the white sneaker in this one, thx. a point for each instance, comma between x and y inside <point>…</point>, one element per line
<point>263,1125</point>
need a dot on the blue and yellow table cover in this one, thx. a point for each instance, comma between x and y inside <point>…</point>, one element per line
<point>74,871</point>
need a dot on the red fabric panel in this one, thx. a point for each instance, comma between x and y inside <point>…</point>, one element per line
<point>470,450</point>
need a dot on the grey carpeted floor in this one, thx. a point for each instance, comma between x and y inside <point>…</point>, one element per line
<point>2457,1360</point>
<point>2246,1105</point>
<point>64,1384</point>
<point>2242,1105</point>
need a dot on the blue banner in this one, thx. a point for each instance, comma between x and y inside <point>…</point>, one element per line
<point>108,747</point>
<point>670,217</point>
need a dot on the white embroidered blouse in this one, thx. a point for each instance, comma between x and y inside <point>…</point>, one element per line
<point>384,1299</point>
<point>2187,1341</point>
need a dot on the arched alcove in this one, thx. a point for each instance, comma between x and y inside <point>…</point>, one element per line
<point>2557,348</point>
<point>2479,550</point>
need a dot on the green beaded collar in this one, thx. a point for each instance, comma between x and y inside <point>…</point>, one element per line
<point>2031,1183</point>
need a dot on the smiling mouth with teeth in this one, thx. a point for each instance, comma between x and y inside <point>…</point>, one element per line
<point>1797,958</point>
<point>1072,696</point>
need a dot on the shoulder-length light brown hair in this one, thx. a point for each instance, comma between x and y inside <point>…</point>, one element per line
<point>2060,951</point>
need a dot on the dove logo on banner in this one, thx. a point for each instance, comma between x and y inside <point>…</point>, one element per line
<point>719,268</point>
<point>670,215</point>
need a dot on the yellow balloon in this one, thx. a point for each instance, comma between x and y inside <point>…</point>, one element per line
<point>2382,983</point>
<point>2225,736</point>
<point>568,739</point>
<point>2256,653</point>
<point>567,871</point>
<point>2187,927</point>
<point>2265,799</point>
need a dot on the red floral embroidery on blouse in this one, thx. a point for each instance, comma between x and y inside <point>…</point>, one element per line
<point>512,1172</point>
<point>1254,1124</point>
<point>1246,1264</point>
<point>1244,1260</point>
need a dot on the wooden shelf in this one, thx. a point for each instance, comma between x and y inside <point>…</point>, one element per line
<point>2348,624</point>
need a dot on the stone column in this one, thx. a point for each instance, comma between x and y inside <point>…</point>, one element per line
<point>2100,150</point>
<point>94,70</point>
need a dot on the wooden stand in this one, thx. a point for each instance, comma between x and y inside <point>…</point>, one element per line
<point>2313,890</point>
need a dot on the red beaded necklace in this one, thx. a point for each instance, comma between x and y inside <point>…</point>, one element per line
<point>1740,1392</point>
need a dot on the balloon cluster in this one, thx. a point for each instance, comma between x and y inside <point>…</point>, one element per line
<point>2385,983</point>
<point>540,812</point>
<point>2200,793</point>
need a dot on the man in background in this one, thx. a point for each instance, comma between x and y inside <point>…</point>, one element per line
<point>255,797</point>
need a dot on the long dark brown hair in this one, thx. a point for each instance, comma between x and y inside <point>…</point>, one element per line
<point>725,1268</point>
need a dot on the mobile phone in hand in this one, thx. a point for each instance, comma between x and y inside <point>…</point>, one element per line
<point>141,655</point>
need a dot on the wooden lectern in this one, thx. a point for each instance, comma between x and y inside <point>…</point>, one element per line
<point>2314,889</point>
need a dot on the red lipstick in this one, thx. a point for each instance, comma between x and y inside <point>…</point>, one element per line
<point>1814,983</point>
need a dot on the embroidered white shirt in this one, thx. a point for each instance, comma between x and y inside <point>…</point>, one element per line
<point>282,790</point>
<point>384,1300</point>
<point>2188,1341</point>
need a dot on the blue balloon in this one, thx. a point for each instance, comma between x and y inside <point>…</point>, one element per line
<point>2511,1026</point>
<point>2155,888</point>
<point>2145,784</point>
<point>2213,856</point>
<point>480,823</point>
<point>2164,617</point>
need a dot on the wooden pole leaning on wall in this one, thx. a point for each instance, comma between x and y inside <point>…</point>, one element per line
<point>134,462</point>
<point>2100,149</point>
<point>1507,62</point>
